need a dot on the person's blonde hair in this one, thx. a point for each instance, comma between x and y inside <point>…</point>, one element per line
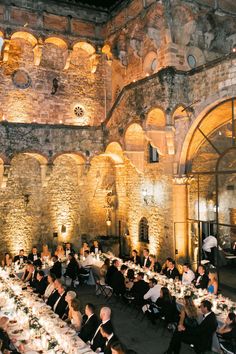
<point>190,308</point>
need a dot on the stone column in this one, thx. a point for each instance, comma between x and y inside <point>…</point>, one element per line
<point>180,217</point>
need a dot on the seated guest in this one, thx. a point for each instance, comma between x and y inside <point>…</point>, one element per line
<point>155,265</point>
<point>145,261</point>
<point>85,247</point>
<point>165,266</point>
<point>188,275</point>
<point>202,279</point>
<point>154,291</point>
<point>34,257</point>
<point>90,325</point>
<point>50,287</point>
<point>41,283</point>
<point>6,346</point>
<point>60,253</point>
<point>69,249</point>
<point>98,341</point>
<point>129,280</point>
<point>88,259</point>
<point>172,272</point>
<point>96,247</point>
<point>72,268</point>
<point>108,333</point>
<point>200,337</point>
<point>166,305</point>
<point>188,315</point>
<point>139,289</point>
<point>57,267</point>
<point>21,258</point>
<point>45,254</point>
<point>60,305</point>
<point>74,315</point>
<point>53,297</point>
<point>70,295</point>
<point>212,287</point>
<point>112,270</point>
<point>135,258</point>
<point>227,332</point>
<point>103,270</point>
<point>118,281</point>
<point>7,260</point>
<point>29,274</point>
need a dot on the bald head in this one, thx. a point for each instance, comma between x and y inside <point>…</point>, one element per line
<point>105,313</point>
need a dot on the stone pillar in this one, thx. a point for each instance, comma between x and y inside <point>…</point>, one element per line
<point>5,175</point>
<point>46,171</point>
<point>180,217</point>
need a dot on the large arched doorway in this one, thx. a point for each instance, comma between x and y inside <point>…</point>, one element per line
<point>211,168</point>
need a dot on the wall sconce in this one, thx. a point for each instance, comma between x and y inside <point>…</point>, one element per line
<point>26,199</point>
<point>108,222</point>
<point>63,229</point>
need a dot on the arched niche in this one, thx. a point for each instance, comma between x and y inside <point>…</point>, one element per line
<point>84,49</point>
<point>59,42</point>
<point>179,113</point>
<point>30,38</point>
<point>156,119</point>
<point>114,150</point>
<point>150,64</point>
<point>155,129</point>
<point>135,145</point>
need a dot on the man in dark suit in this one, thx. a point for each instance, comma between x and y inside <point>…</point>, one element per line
<point>69,249</point>
<point>200,337</point>
<point>90,325</point>
<point>56,268</point>
<point>61,304</point>
<point>20,258</point>
<point>139,289</point>
<point>98,341</point>
<point>135,258</point>
<point>118,281</point>
<point>112,270</point>
<point>146,261</point>
<point>201,278</point>
<point>41,283</point>
<point>34,257</point>
<point>172,272</point>
<point>96,247</point>
<point>54,295</point>
<point>107,333</point>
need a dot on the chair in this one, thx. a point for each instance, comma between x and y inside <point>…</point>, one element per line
<point>84,276</point>
<point>228,347</point>
<point>103,289</point>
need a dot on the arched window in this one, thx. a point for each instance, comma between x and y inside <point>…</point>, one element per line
<point>143,230</point>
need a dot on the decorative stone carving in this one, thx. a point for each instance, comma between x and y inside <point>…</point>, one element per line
<point>6,175</point>
<point>136,45</point>
<point>21,79</point>
<point>155,35</point>
<point>6,48</point>
<point>68,59</point>
<point>38,50</point>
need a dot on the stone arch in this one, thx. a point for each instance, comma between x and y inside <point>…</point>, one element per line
<point>150,64</point>
<point>27,36</point>
<point>78,157</point>
<point>134,137</point>
<point>114,150</point>
<point>204,114</point>
<point>84,48</point>
<point>156,119</point>
<point>57,41</point>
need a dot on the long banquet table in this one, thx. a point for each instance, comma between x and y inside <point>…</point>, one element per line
<point>33,327</point>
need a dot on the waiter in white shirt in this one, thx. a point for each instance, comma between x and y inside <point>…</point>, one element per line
<point>188,275</point>
<point>209,244</point>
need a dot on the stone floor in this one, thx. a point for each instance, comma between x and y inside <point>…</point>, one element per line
<point>137,334</point>
<point>140,335</point>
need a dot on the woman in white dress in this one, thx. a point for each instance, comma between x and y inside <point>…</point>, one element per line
<point>75,315</point>
<point>49,289</point>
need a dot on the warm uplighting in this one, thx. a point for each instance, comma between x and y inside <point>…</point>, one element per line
<point>108,222</point>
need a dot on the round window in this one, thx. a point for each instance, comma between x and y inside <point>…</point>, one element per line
<point>191,61</point>
<point>153,65</point>
<point>79,111</point>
